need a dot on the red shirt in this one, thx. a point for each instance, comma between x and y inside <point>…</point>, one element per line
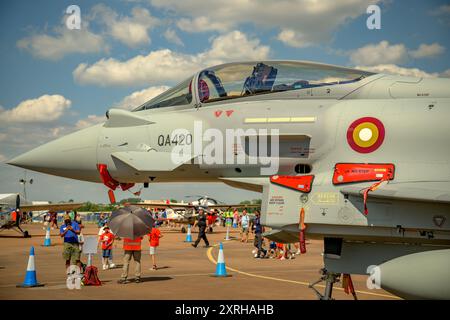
<point>211,219</point>
<point>107,239</point>
<point>154,236</point>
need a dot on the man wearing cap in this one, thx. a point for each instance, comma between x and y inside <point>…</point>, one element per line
<point>70,231</point>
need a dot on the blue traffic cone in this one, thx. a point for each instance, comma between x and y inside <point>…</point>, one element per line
<point>188,235</point>
<point>47,241</point>
<point>30,277</point>
<point>221,270</point>
<point>227,237</point>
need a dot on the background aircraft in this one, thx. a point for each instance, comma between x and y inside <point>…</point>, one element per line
<point>363,160</point>
<point>13,201</point>
<point>186,213</point>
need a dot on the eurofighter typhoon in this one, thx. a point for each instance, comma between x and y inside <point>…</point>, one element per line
<point>358,159</point>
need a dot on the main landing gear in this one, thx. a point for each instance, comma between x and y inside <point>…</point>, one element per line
<point>330,279</point>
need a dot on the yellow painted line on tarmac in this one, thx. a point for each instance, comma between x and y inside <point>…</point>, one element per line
<point>212,260</point>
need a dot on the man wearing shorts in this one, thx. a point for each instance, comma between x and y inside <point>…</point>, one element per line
<point>244,225</point>
<point>71,250</point>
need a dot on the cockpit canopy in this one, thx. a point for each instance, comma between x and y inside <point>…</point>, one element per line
<point>237,80</point>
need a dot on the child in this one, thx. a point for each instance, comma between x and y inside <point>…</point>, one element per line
<point>154,236</point>
<point>281,251</point>
<point>273,250</point>
<point>80,245</point>
<point>106,239</point>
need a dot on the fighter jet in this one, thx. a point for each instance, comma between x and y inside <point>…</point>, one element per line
<point>11,203</point>
<point>356,158</point>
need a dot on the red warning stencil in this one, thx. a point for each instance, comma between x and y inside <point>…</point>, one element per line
<point>360,172</point>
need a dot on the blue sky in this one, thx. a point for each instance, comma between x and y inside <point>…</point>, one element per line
<point>55,80</point>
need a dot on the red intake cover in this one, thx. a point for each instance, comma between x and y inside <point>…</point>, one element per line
<point>299,183</point>
<point>106,178</point>
<point>360,172</point>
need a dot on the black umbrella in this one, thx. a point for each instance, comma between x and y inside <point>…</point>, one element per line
<point>131,222</point>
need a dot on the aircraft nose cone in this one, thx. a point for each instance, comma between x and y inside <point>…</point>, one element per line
<point>72,156</point>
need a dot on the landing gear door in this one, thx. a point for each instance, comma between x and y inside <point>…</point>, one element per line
<point>278,205</point>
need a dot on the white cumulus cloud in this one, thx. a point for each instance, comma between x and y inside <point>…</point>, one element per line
<point>445,74</point>
<point>202,24</point>
<point>293,38</point>
<point>89,121</point>
<point>397,70</point>
<point>386,53</point>
<point>63,42</point>
<point>166,65</point>
<point>46,108</point>
<point>158,66</point>
<point>233,46</point>
<point>139,97</point>
<point>131,30</point>
<point>172,36</point>
<point>311,21</point>
<point>383,52</point>
<point>427,50</point>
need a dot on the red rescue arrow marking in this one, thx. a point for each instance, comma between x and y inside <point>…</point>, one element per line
<point>299,183</point>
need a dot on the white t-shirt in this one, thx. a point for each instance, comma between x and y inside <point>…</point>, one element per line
<point>244,221</point>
